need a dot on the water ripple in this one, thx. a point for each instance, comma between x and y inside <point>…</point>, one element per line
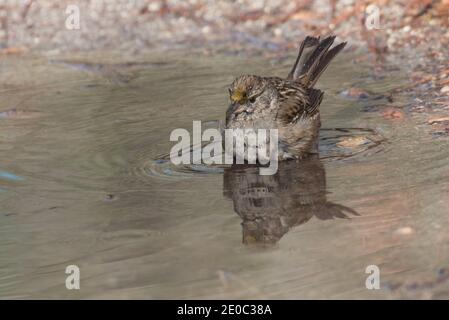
<point>336,144</point>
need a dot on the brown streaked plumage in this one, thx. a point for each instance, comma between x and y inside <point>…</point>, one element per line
<point>290,105</point>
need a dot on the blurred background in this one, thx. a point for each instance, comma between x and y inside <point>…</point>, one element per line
<point>135,25</point>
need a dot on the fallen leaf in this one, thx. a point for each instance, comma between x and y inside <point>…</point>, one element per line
<point>393,114</point>
<point>306,15</point>
<point>444,81</point>
<point>353,142</point>
<point>13,50</point>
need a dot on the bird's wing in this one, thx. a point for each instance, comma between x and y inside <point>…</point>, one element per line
<point>297,101</point>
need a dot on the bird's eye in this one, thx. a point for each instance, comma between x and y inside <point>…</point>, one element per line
<point>252,100</point>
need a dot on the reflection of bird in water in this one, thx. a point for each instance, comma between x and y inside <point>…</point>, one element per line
<point>270,205</point>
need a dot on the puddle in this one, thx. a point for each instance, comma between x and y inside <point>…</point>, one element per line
<point>96,189</point>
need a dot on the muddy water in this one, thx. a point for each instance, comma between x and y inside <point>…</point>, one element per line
<point>83,183</point>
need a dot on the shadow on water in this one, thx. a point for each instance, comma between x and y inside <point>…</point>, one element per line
<point>270,205</point>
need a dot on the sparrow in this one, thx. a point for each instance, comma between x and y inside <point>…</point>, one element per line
<point>290,105</point>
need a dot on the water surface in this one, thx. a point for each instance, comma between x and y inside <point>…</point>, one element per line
<point>81,184</point>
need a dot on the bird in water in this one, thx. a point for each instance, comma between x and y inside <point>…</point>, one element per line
<point>290,105</point>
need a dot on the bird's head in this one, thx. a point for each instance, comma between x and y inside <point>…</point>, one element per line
<point>246,94</point>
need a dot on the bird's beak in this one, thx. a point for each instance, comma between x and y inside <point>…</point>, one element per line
<point>237,108</point>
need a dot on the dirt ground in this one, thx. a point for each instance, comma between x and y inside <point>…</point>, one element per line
<point>412,35</point>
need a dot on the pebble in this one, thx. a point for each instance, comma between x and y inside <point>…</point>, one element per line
<point>406,29</point>
<point>438,120</point>
<point>404,231</point>
<point>110,197</point>
<point>278,32</point>
<point>355,93</point>
<point>445,89</point>
<point>153,7</point>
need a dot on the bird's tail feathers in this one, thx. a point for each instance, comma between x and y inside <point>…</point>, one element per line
<point>313,58</point>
